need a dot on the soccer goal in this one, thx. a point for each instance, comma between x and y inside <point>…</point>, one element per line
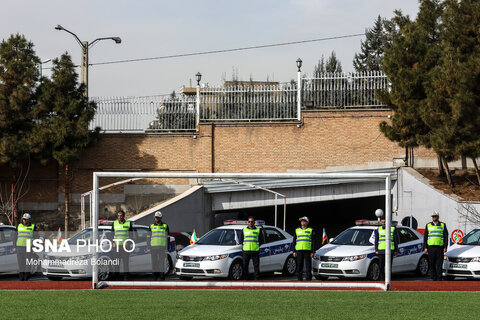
<point>365,177</point>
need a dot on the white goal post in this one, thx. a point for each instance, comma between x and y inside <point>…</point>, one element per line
<point>339,175</point>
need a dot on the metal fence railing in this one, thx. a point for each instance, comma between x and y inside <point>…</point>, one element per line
<point>139,114</point>
<point>238,101</point>
<point>245,102</point>
<point>333,90</point>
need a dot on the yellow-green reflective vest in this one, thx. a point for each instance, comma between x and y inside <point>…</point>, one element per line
<point>25,233</point>
<point>159,235</point>
<point>435,234</point>
<point>381,238</point>
<point>121,231</point>
<point>304,239</point>
<point>251,239</point>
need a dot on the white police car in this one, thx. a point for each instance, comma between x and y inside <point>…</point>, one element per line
<point>352,254</point>
<point>76,264</point>
<point>463,259</point>
<point>218,254</point>
<point>8,258</point>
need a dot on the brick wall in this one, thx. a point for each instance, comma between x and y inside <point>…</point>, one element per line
<point>324,139</point>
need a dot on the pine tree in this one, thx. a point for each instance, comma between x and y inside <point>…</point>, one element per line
<point>408,63</point>
<point>333,64</point>
<point>454,98</point>
<point>377,40</point>
<point>18,91</point>
<point>64,129</point>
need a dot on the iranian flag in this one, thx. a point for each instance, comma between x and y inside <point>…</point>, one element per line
<point>59,236</point>
<point>193,238</point>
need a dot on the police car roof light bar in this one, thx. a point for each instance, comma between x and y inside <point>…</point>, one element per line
<point>242,222</point>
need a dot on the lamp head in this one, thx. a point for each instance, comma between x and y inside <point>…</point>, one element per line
<point>59,27</point>
<point>299,64</point>
<point>198,76</point>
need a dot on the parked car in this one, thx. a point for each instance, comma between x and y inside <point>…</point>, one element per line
<point>352,254</point>
<point>182,239</point>
<point>67,264</point>
<point>463,259</point>
<point>219,255</point>
<point>8,258</point>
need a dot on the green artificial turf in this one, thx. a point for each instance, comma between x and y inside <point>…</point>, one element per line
<point>228,304</point>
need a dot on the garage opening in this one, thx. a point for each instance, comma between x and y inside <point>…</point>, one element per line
<point>334,216</point>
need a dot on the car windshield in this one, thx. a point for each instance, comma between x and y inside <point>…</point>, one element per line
<point>87,235</point>
<point>355,237</point>
<point>220,237</point>
<point>472,238</point>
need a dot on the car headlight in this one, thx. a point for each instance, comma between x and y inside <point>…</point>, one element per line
<point>216,257</point>
<point>317,257</point>
<point>476,259</point>
<point>353,258</point>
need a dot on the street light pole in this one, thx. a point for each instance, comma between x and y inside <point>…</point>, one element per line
<point>84,67</point>
<point>85,46</point>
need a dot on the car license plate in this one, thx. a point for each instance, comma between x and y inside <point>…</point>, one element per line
<point>191,265</point>
<point>458,265</point>
<point>55,264</point>
<point>329,265</point>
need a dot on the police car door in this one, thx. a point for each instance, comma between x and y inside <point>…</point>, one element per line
<point>8,259</point>
<point>279,248</point>
<point>265,264</point>
<point>140,259</point>
<point>409,250</point>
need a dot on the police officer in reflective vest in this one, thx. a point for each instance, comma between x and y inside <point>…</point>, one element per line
<point>380,246</point>
<point>435,242</point>
<point>159,241</point>
<point>303,248</point>
<point>25,232</point>
<point>122,230</point>
<point>252,239</point>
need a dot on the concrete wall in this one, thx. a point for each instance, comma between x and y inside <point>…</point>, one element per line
<point>418,198</point>
<point>183,213</point>
<point>259,198</point>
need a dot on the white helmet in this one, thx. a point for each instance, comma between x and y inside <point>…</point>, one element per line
<point>26,216</point>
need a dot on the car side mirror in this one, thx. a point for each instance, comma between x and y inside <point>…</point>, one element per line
<point>330,240</point>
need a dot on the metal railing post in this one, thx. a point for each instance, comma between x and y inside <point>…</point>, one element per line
<point>197,109</point>
<point>299,96</point>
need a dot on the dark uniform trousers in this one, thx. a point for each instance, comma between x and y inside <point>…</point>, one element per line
<point>158,262</point>
<point>303,258</point>
<point>435,259</point>
<point>22,257</point>
<point>381,258</point>
<point>123,258</point>
<point>255,257</point>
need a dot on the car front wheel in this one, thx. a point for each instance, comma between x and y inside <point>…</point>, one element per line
<point>373,273</point>
<point>104,270</point>
<point>290,267</point>
<point>236,270</point>
<point>422,267</point>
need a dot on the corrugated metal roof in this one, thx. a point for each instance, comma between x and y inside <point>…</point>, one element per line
<point>218,186</point>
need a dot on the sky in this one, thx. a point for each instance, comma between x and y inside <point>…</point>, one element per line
<point>155,28</point>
